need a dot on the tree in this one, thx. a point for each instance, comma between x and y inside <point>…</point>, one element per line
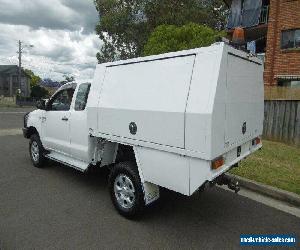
<point>36,90</point>
<point>68,79</point>
<point>34,79</point>
<point>39,92</point>
<point>211,13</point>
<point>122,28</point>
<point>125,25</point>
<point>168,38</point>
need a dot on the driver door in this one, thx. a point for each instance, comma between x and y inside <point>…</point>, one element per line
<point>56,124</point>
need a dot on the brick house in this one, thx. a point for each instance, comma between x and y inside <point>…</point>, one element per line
<point>272,30</point>
<point>9,83</point>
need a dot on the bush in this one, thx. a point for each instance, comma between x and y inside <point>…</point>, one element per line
<point>39,92</point>
<point>169,38</point>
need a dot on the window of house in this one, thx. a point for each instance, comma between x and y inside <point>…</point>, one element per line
<point>82,96</point>
<point>290,39</point>
<point>289,83</point>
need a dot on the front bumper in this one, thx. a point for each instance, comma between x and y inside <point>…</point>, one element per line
<point>25,132</point>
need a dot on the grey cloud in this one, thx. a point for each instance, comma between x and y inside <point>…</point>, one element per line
<point>62,32</point>
<point>86,12</point>
<point>60,54</point>
<point>55,14</point>
<point>86,66</point>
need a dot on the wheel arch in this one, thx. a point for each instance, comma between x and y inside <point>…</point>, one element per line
<point>32,130</point>
<point>129,153</point>
<point>124,153</point>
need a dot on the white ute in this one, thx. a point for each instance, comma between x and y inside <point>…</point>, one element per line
<point>177,120</point>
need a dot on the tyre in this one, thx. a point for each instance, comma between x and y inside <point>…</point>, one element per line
<point>126,190</point>
<point>36,151</point>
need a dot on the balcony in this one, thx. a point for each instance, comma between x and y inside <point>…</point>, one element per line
<point>264,14</point>
<point>248,18</point>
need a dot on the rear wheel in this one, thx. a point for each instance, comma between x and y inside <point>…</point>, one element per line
<point>126,189</point>
<point>36,151</point>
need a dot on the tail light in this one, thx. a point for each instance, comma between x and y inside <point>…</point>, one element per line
<point>217,163</point>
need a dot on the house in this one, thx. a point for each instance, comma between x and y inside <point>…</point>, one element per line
<point>272,31</point>
<point>9,83</point>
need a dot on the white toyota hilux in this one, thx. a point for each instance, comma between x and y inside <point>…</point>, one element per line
<point>177,120</point>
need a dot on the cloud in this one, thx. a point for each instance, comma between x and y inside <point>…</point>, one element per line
<point>52,14</point>
<point>62,32</point>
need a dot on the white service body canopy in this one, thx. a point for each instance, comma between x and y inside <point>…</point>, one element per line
<point>193,103</point>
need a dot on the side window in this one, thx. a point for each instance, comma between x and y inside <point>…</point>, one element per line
<point>61,101</point>
<point>82,96</point>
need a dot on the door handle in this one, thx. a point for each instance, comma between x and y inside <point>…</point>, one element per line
<point>65,119</point>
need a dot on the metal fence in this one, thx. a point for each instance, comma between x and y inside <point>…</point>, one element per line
<point>264,14</point>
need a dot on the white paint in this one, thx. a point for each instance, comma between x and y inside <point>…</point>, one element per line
<point>149,94</point>
<point>244,89</point>
<point>165,169</point>
<point>68,160</point>
<point>56,132</point>
<point>79,136</point>
<point>189,108</point>
<point>145,91</point>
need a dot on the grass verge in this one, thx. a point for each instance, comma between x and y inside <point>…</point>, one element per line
<point>276,164</point>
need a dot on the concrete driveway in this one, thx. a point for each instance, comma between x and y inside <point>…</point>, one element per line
<point>61,208</point>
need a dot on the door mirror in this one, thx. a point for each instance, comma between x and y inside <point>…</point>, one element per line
<point>41,104</point>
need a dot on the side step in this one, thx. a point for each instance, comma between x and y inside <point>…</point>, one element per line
<point>69,161</point>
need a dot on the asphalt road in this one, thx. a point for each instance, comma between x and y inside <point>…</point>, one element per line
<point>12,117</point>
<point>61,208</point>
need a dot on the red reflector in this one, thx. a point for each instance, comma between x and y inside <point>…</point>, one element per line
<point>257,140</point>
<point>217,163</point>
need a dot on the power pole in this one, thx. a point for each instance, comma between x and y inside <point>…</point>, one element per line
<point>20,65</point>
<point>19,52</point>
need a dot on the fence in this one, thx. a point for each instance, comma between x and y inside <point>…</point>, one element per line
<point>7,101</point>
<point>26,101</point>
<point>282,121</point>
<point>17,101</point>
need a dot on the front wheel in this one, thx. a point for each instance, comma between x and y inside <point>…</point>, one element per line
<point>126,189</point>
<point>36,151</point>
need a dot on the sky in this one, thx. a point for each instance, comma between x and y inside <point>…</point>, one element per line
<point>62,33</point>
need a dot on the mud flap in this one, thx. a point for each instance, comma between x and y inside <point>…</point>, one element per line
<point>151,192</point>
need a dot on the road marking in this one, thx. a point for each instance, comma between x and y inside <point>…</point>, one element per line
<point>13,131</point>
<point>280,205</point>
<point>13,112</point>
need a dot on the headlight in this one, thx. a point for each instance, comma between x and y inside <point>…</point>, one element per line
<point>26,119</point>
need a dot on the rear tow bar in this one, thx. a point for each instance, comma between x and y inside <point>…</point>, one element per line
<point>231,183</point>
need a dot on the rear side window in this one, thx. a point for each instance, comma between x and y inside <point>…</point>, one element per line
<point>82,96</point>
